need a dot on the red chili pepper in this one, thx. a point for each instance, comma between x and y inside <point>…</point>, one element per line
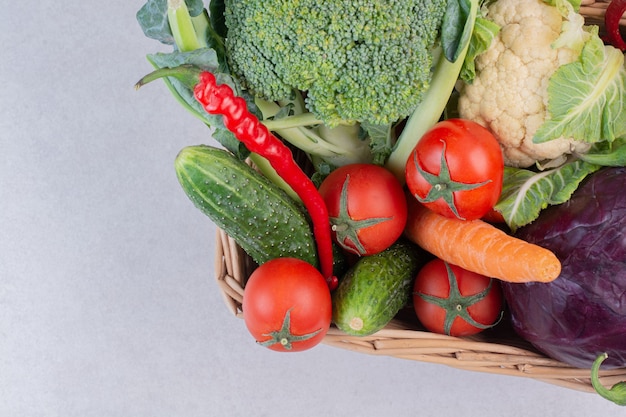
<point>220,99</point>
<point>614,12</point>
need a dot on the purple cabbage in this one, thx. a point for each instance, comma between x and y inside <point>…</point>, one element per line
<point>582,313</point>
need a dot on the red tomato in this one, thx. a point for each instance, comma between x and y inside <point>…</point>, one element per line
<point>451,300</point>
<point>493,216</point>
<point>287,305</point>
<point>456,169</point>
<point>367,207</point>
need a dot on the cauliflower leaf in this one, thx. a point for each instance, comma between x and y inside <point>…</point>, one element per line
<point>587,98</point>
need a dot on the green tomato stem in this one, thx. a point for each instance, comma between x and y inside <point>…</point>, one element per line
<point>284,337</point>
<point>456,305</point>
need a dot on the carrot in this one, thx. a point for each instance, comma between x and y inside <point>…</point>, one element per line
<point>480,247</point>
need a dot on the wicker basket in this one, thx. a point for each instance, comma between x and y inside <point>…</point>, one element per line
<point>594,12</point>
<point>498,351</point>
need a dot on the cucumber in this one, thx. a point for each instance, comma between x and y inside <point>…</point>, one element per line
<point>255,212</point>
<point>374,289</point>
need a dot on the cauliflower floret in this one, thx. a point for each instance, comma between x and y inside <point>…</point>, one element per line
<point>509,94</point>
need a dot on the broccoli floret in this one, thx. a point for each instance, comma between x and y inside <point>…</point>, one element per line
<point>360,60</point>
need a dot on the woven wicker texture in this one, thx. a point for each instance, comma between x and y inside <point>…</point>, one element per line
<point>594,12</point>
<point>498,351</point>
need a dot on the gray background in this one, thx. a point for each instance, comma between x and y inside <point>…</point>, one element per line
<point>108,305</point>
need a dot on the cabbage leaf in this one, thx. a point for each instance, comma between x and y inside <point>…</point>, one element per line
<point>525,192</point>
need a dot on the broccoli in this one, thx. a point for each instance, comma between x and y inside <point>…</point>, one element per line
<point>336,79</point>
<point>365,61</point>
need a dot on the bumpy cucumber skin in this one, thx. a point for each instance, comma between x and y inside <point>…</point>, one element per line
<point>375,289</point>
<point>258,215</point>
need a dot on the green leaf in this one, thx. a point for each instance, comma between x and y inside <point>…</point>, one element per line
<point>455,30</point>
<point>587,98</point>
<point>559,4</point>
<point>483,35</point>
<point>183,26</point>
<point>196,7</point>
<point>152,18</point>
<point>525,193</point>
<point>607,153</point>
<point>216,14</point>
<point>228,140</point>
<point>380,141</point>
<point>205,59</point>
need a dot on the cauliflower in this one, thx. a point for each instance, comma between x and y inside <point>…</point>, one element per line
<point>509,95</point>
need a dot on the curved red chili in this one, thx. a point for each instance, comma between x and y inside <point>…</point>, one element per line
<point>220,99</point>
<point>614,12</point>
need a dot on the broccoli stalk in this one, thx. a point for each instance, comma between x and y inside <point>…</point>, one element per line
<point>433,104</point>
<point>189,32</point>
<point>339,145</point>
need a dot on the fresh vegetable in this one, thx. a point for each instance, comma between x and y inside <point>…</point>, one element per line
<point>614,12</point>
<point>526,192</point>
<point>197,28</point>
<point>337,51</point>
<point>479,247</point>
<point>287,305</point>
<point>328,146</point>
<point>188,34</point>
<point>566,88</point>
<point>367,207</point>
<point>583,312</point>
<point>410,75</point>
<point>450,300</point>
<point>456,169</point>
<point>547,86</point>
<point>446,73</point>
<point>617,393</point>
<point>373,291</point>
<point>220,99</point>
<point>262,219</point>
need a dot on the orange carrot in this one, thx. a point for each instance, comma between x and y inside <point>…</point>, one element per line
<point>480,247</point>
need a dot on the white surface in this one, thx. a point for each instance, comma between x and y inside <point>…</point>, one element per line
<point>108,305</point>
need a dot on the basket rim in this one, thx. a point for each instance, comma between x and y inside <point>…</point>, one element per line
<point>594,11</point>
<point>400,340</point>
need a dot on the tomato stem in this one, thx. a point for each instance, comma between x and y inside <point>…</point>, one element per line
<point>284,337</point>
<point>346,228</point>
<point>456,304</point>
<point>442,185</point>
